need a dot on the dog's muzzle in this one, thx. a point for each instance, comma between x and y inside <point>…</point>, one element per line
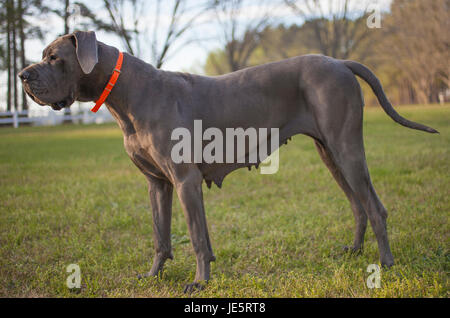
<point>32,89</point>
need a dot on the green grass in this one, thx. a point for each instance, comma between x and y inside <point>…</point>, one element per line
<point>69,194</point>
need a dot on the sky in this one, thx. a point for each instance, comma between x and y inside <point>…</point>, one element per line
<point>189,57</point>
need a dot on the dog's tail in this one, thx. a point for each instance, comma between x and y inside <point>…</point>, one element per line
<point>372,80</point>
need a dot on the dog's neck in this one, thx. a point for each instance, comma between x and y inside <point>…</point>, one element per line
<point>119,100</point>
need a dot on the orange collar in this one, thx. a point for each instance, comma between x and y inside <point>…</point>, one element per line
<point>110,85</point>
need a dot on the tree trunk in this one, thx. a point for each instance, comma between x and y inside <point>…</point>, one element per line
<point>8,53</point>
<point>22,50</point>
<point>421,88</point>
<point>66,16</point>
<point>14,43</point>
<point>67,111</point>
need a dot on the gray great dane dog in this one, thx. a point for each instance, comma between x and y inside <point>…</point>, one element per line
<point>312,95</point>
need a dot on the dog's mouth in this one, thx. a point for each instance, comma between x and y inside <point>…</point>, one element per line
<point>65,103</point>
<point>29,92</point>
<point>55,106</point>
<point>59,105</point>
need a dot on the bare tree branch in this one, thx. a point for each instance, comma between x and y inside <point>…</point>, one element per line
<point>336,34</point>
<point>241,34</point>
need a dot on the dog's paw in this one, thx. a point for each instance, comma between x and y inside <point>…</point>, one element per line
<point>387,263</point>
<point>193,287</point>
<point>156,271</point>
<point>353,250</point>
<point>142,276</point>
<point>146,275</point>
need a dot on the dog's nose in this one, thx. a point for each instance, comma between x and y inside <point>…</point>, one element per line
<point>24,75</point>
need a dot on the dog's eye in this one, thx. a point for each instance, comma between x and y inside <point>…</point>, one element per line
<point>53,57</point>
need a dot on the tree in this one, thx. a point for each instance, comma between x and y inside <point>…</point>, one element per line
<point>65,14</point>
<point>240,25</point>
<point>8,52</point>
<point>338,28</point>
<point>417,45</point>
<point>275,43</point>
<point>15,29</point>
<point>280,42</point>
<point>182,19</point>
<point>117,12</point>
<point>20,11</point>
<point>128,20</point>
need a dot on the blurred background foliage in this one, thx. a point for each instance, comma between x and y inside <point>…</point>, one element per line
<point>409,52</point>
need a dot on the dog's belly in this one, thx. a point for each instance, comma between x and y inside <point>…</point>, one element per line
<point>265,97</point>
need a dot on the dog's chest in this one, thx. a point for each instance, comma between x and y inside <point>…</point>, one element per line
<point>141,157</point>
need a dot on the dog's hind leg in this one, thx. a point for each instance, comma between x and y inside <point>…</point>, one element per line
<point>346,149</point>
<point>358,211</point>
<point>160,192</point>
<point>334,97</point>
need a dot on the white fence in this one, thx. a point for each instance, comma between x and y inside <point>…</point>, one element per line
<point>50,118</point>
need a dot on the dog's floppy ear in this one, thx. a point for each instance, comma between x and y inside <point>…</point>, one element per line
<point>86,48</point>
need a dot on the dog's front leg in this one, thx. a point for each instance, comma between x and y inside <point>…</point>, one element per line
<point>160,192</point>
<point>189,191</point>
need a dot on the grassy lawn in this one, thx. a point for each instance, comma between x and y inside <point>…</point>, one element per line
<point>69,194</point>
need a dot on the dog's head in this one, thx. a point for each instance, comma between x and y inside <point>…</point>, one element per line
<point>55,81</point>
